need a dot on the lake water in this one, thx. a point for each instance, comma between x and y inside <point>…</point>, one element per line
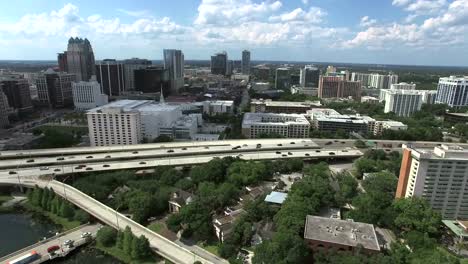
<point>18,230</point>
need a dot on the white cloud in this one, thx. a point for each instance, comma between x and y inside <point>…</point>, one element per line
<point>314,15</point>
<point>367,22</point>
<point>134,13</point>
<point>230,12</point>
<point>400,2</point>
<point>447,29</point>
<point>305,2</point>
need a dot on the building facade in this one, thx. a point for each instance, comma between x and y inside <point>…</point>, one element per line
<point>4,109</point>
<point>438,175</point>
<point>269,106</point>
<point>337,87</point>
<point>152,80</point>
<point>16,90</point>
<point>88,95</point>
<point>254,125</point>
<point>452,91</point>
<point>174,64</point>
<point>402,102</point>
<point>110,74</point>
<point>282,79</point>
<point>375,80</point>
<point>403,86</point>
<point>80,59</point>
<point>219,63</point>
<point>329,120</point>
<point>310,76</point>
<point>245,66</point>
<point>130,65</point>
<point>62,61</point>
<point>54,89</point>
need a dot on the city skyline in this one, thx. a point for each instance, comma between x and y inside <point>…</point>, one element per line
<point>409,32</point>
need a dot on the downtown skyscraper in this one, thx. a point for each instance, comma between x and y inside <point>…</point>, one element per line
<point>174,64</point>
<point>245,67</point>
<point>80,59</point>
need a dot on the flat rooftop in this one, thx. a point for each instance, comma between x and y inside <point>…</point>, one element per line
<point>442,152</point>
<point>305,104</point>
<point>273,118</point>
<point>341,232</point>
<point>127,105</point>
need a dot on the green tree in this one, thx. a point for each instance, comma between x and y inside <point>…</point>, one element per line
<point>81,216</point>
<point>360,144</point>
<point>127,240</point>
<point>140,247</point>
<point>66,210</point>
<point>416,214</point>
<point>119,241</point>
<point>106,236</point>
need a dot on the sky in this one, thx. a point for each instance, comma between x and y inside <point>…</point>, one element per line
<point>414,32</point>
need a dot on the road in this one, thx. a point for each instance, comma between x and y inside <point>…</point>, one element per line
<point>41,247</point>
<point>174,252</point>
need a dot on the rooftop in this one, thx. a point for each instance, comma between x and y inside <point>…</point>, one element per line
<point>305,104</point>
<point>442,152</point>
<point>276,197</point>
<point>341,232</point>
<point>273,118</point>
<point>331,115</point>
<point>127,105</point>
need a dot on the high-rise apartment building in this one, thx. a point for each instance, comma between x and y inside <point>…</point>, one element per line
<point>282,79</point>
<point>219,63</point>
<point>406,102</point>
<point>453,91</point>
<point>439,175</point>
<point>110,74</point>
<point>245,62</point>
<point>88,95</point>
<point>16,90</point>
<point>375,80</point>
<point>174,64</point>
<point>287,125</point>
<point>54,89</point>
<point>62,61</point>
<point>262,72</point>
<point>337,87</point>
<point>80,59</point>
<point>310,76</point>
<point>152,80</point>
<point>130,66</point>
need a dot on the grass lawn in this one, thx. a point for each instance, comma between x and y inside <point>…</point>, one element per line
<point>5,198</point>
<point>64,128</point>
<point>122,256</point>
<point>63,222</point>
<point>156,227</point>
<point>210,247</point>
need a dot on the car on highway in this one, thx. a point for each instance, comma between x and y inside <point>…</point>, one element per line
<point>318,151</point>
<point>184,148</point>
<point>142,163</point>
<point>284,155</point>
<point>12,172</point>
<point>51,250</point>
<point>307,155</point>
<point>44,168</point>
<point>57,170</point>
<point>331,153</point>
<point>329,143</point>
<point>85,234</point>
<point>289,153</point>
<point>88,169</point>
<point>135,152</point>
<point>89,157</point>
<point>278,152</point>
<point>280,145</point>
<point>61,158</point>
<point>30,160</point>
<point>106,165</point>
<point>68,243</point>
<point>259,145</point>
<point>107,157</point>
<point>170,151</point>
<point>292,143</point>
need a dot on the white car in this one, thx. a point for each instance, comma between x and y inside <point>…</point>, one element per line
<point>85,234</point>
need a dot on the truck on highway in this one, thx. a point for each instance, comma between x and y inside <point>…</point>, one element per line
<point>26,259</point>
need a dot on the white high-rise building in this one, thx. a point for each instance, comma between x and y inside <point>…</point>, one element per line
<point>245,67</point>
<point>127,122</point>
<point>402,102</point>
<point>375,80</point>
<point>87,95</point>
<point>439,175</point>
<point>453,91</point>
<point>406,102</point>
<point>286,125</point>
<point>174,63</point>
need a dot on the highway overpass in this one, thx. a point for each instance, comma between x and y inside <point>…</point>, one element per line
<point>176,253</point>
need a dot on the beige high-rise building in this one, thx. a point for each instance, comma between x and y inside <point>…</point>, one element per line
<point>80,59</point>
<point>439,175</point>
<point>338,87</point>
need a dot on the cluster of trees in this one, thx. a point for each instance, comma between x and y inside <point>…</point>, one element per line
<point>138,248</point>
<point>58,138</point>
<point>306,197</point>
<point>376,161</point>
<point>288,96</point>
<point>49,201</point>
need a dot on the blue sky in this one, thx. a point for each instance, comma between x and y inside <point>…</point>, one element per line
<point>428,32</point>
